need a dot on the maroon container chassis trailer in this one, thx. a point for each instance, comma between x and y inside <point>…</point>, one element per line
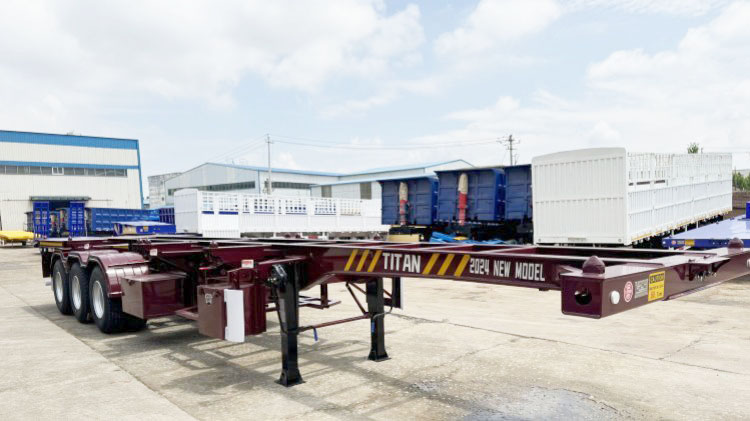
<point>229,286</point>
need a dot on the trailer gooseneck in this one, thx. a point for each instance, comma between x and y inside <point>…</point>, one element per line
<point>229,286</point>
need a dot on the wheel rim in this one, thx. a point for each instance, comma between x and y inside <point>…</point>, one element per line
<point>98,300</point>
<point>75,292</point>
<point>58,287</point>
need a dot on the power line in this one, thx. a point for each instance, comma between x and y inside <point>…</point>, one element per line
<point>331,145</point>
<point>244,148</point>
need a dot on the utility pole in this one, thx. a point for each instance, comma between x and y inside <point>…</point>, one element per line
<point>269,189</point>
<point>509,142</point>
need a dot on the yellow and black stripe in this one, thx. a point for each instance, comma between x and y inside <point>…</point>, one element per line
<point>437,265</point>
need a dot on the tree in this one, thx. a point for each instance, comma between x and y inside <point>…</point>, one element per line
<point>694,148</point>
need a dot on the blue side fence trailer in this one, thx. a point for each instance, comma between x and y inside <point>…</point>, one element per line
<point>143,228</point>
<point>422,200</point>
<point>102,220</point>
<point>499,204</point>
<point>166,215</point>
<point>713,235</point>
<point>486,195</point>
<point>57,219</point>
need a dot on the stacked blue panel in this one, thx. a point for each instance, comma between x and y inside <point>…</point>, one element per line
<point>41,219</point>
<point>166,215</point>
<point>422,199</point>
<point>76,219</point>
<point>518,192</point>
<point>486,196</point>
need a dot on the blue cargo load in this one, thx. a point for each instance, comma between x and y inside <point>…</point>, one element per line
<point>518,192</point>
<point>422,199</point>
<point>715,235</point>
<point>103,220</point>
<point>486,195</point>
<point>143,228</point>
<point>166,215</point>
<point>76,219</point>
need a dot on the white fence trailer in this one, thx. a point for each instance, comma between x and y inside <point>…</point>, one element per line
<point>612,196</point>
<point>231,215</point>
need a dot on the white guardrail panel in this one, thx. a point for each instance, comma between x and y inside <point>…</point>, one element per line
<point>232,214</point>
<point>611,196</point>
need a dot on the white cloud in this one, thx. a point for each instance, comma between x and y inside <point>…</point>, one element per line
<point>494,22</point>
<point>388,92</point>
<point>672,7</point>
<point>698,91</point>
<point>57,56</point>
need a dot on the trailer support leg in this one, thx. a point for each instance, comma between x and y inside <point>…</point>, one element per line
<point>289,320</point>
<point>376,308</point>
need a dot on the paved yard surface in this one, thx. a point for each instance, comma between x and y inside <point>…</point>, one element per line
<point>458,351</point>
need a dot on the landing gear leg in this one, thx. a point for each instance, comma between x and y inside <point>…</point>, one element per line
<point>375,306</point>
<point>288,302</point>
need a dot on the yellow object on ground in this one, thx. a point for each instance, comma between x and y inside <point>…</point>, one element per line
<point>403,238</point>
<point>16,236</point>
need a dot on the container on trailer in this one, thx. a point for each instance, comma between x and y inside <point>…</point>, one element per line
<point>612,196</point>
<point>421,206</point>
<point>518,192</point>
<point>485,196</point>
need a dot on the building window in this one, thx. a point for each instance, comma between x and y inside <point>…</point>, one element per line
<point>325,191</point>
<point>248,185</point>
<point>288,185</point>
<point>68,171</point>
<point>365,190</point>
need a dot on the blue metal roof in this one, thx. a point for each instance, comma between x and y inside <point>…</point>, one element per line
<point>67,140</point>
<point>713,235</point>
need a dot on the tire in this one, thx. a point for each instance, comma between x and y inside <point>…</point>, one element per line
<point>106,311</point>
<point>60,288</point>
<point>78,282</point>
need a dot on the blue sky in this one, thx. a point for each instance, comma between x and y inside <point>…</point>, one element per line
<point>379,82</point>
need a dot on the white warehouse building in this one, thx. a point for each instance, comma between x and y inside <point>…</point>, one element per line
<point>102,172</point>
<point>217,177</point>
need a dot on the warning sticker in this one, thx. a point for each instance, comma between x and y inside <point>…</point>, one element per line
<point>641,288</point>
<point>656,285</point>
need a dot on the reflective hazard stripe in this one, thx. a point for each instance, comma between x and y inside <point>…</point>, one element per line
<point>430,264</point>
<point>446,264</point>
<point>374,260</point>
<point>462,265</point>
<point>362,260</point>
<point>351,259</point>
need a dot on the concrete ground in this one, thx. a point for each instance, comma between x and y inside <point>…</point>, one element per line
<point>458,351</point>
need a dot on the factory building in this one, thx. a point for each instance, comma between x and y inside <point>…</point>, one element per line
<point>365,185</point>
<point>254,180</point>
<point>245,179</point>
<point>102,172</point>
<point>157,189</point>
